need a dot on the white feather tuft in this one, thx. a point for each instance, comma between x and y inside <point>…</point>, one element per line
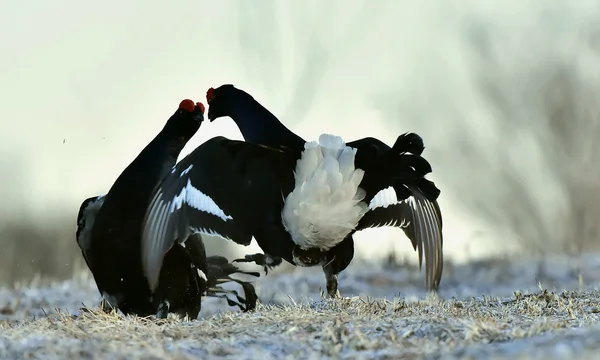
<point>327,202</point>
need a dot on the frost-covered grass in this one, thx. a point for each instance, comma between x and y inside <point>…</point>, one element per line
<point>490,309</point>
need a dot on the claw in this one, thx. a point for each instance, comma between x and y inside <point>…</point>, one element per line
<point>259,259</point>
<point>266,261</point>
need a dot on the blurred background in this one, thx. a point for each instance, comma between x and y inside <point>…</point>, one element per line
<point>505,95</point>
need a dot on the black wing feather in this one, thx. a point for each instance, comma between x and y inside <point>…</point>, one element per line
<point>421,221</point>
<point>221,189</point>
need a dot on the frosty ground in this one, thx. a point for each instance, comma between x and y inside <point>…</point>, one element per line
<point>524,308</point>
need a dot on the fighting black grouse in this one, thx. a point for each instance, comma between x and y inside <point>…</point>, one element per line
<point>338,188</point>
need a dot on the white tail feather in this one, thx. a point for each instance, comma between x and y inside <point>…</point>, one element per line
<point>326,203</point>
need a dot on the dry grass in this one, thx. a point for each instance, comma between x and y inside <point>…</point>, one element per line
<point>529,309</point>
<point>350,327</point>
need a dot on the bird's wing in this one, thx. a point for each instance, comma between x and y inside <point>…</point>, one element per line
<point>221,189</point>
<point>421,221</point>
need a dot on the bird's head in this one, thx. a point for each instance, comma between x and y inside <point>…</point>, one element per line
<point>220,101</point>
<point>186,121</point>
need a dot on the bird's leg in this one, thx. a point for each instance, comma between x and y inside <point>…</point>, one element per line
<point>331,282</point>
<point>265,260</point>
<point>337,260</point>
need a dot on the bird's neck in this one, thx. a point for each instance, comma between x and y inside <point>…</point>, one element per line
<point>161,154</point>
<point>259,125</point>
<point>150,166</point>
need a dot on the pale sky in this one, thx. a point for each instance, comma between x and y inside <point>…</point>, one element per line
<point>86,85</point>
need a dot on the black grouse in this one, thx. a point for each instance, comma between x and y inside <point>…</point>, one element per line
<point>109,235</point>
<point>336,190</point>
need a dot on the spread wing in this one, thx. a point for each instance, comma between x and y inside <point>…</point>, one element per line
<point>220,189</point>
<point>421,221</point>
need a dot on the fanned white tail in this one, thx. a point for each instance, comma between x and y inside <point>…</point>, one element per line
<point>326,203</point>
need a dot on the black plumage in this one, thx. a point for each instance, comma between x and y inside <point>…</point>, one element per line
<point>109,235</point>
<point>223,188</point>
<point>400,167</point>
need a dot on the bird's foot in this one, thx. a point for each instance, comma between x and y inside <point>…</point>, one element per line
<point>265,260</point>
